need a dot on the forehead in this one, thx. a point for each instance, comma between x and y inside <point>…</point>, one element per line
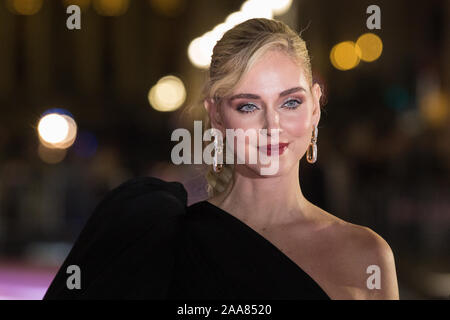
<point>273,72</point>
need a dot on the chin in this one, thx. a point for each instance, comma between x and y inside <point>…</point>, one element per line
<point>283,167</point>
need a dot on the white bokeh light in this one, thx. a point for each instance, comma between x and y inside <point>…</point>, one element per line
<point>53,128</point>
<point>201,48</point>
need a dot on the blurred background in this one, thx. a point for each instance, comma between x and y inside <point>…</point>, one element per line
<point>83,110</point>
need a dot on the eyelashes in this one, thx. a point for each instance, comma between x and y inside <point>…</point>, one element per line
<point>247,108</point>
<point>290,104</point>
<point>293,103</point>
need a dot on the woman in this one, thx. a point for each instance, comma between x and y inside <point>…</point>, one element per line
<point>257,236</point>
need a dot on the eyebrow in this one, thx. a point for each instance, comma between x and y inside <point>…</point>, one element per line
<point>254,96</point>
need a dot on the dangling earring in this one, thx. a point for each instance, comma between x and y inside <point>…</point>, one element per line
<point>218,150</point>
<point>311,152</point>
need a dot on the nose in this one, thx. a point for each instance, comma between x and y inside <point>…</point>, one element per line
<point>272,121</point>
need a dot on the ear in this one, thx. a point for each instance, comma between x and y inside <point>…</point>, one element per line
<point>214,114</point>
<point>317,94</point>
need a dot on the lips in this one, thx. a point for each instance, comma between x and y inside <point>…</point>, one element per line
<point>272,148</point>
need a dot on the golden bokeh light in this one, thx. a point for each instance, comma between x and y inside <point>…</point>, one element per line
<point>434,108</point>
<point>83,4</point>
<point>111,7</point>
<point>345,55</point>
<point>168,8</point>
<point>51,155</point>
<point>371,47</point>
<point>168,94</point>
<point>24,7</point>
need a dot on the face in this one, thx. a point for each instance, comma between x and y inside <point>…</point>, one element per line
<point>274,95</point>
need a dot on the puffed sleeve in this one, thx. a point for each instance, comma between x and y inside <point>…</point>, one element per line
<point>127,247</point>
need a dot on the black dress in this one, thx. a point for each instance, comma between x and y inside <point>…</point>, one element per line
<point>142,242</point>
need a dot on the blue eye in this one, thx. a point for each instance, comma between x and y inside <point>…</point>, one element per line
<point>247,108</point>
<point>292,104</point>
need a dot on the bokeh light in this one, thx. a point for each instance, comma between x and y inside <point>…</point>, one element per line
<point>371,47</point>
<point>24,7</point>
<point>168,8</point>
<point>168,94</point>
<point>57,129</point>
<point>51,155</point>
<point>86,144</point>
<point>235,18</point>
<point>111,7</point>
<point>345,55</point>
<point>53,128</point>
<point>280,7</point>
<point>434,108</point>
<point>257,9</point>
<point>397,97</point>
<point>200,51</point>
<point>83,4</point>
<point>201,48</point>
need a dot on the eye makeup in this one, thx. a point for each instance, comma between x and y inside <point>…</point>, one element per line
<point>294,103</point>
<point>289,104</point>
<point>247,108</point>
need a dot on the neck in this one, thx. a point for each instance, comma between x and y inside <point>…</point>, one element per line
<point>264,202</point>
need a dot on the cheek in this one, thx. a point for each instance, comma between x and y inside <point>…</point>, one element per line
<point>233,120</point>
<point>237,121</point>
<point>299,125</point>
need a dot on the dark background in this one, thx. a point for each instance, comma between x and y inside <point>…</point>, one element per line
<point>384,135</point>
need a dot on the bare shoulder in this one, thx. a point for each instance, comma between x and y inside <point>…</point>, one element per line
<point>364,261</point>
<point>370,262</point>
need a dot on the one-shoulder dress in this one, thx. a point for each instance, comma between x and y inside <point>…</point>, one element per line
<point>143,242</point>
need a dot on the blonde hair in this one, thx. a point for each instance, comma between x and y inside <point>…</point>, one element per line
<point>233,55</point>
